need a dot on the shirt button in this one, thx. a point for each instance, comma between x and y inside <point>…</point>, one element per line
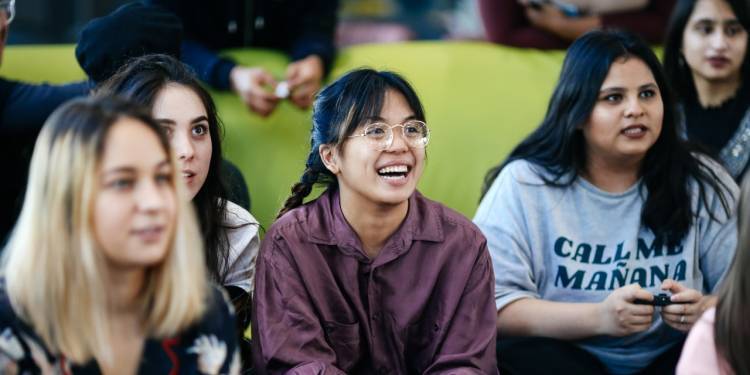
<point>376,316</point>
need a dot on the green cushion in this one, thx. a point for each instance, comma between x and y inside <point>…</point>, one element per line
<point>480,101</point>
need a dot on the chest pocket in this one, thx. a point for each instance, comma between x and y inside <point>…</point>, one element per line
<point>345,340</point>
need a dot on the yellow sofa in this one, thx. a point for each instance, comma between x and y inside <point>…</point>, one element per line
<point>480,100</point>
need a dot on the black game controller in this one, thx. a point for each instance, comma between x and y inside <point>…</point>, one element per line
<point>661,299</point>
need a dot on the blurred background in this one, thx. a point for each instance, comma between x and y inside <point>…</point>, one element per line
<point>360,21</point>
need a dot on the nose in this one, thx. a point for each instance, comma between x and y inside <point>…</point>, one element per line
<point>719,40</point>
<point>150,197</point>
<point>398,140</point>
<point>183,146</point>
<point>634,108</point>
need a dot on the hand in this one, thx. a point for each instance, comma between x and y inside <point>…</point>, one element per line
<point>682,316</point>
<point>304,78</point>
<point>550,18</point>
<point>620,316</point>
<point>250,84</point>
<point>546,17</point>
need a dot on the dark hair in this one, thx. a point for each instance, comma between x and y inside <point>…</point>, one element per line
<point>338,110</point>
<point>731,326</point>
<point>141,80</point>
<point>676,68</point>
<point>92,117</point>
<point>558,145</point>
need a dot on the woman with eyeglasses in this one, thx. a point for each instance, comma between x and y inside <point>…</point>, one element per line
<point>705,58</point>
<point>371,277</point>
<point>597,212</point>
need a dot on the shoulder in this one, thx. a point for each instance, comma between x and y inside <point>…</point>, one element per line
<point>727,192</point>
<point>234,216</point>
<point>240,227</point>
<point>313,219</point>
<point>697,354</point>
<point>524,172</point>
<point>219,311</point>
<point>449,222</point>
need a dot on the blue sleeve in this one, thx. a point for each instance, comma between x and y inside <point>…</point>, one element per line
<point>208,65</point>
<point>316,33</point>
<point>29,105</point>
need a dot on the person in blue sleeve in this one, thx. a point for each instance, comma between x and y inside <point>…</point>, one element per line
<point>303,29</point>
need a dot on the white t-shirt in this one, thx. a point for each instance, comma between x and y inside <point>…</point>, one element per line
<point>242,233</point>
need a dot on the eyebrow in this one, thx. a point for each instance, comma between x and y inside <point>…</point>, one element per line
<point>131,170</point>
<point>731,21</point>
<point>380,119</point>
<point>168,121</point>
<point>621,89</point>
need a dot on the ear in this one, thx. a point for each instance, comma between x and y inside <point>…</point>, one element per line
<point>328,156</point>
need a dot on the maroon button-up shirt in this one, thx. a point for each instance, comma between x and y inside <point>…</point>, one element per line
<point>425,304</point>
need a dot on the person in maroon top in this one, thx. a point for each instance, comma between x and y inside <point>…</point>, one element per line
<point>372,277</point>
<point>554,24</point>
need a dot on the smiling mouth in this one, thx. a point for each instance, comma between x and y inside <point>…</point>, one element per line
<point>634,130</point>
<point>394,172</point>
<point>188,174</point>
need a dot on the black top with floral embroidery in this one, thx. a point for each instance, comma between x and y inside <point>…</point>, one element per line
<point>208,347</point>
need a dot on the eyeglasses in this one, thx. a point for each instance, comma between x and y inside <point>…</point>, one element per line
<point>9,6</point>
<point>380,134</point>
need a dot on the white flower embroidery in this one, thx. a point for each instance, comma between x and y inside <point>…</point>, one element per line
<point>211,353</point>
<point>10,345</point>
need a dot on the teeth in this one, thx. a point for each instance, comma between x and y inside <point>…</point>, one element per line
<point>394,169</point>
<point>186,174</point>
<point>397,177</point>
<point>634,130</point>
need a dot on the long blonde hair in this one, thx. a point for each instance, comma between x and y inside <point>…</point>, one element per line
<point>54,272</point>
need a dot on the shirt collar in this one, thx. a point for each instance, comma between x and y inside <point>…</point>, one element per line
<point>422,223</point>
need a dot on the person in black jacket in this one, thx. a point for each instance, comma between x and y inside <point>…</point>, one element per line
<point>302,28</point>
<point>23,109</point>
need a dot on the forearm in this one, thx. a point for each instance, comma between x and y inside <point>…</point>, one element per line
<point>535,317</point>
<point>575,27</point>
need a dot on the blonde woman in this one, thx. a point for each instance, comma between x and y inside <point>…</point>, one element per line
<point>104,270</point>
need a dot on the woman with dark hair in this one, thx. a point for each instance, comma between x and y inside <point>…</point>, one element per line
<point>371,277</point>
<point>599,210</point>
<point>705,59</point>
<point>188,116</point>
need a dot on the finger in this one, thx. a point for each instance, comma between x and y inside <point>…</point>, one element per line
<point>679,318</point>
<point>687,295</point>
<point>641,310</point>
<point>263,107</point>
<point>303,93</point>
<point>636,292</point>
<point>264,78</point>
<point>293,74</point>
<point>677,309</point>
<point>639,327</point>
<point>672,286</point>
<point>639,319</point>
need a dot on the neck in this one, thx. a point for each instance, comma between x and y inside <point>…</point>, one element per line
<point>373,223</point>
<point>714,93</point>
<point>610,175</point>
<point>124,287</point>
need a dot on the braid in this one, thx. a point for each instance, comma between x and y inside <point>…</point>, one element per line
<point>300,190</point>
